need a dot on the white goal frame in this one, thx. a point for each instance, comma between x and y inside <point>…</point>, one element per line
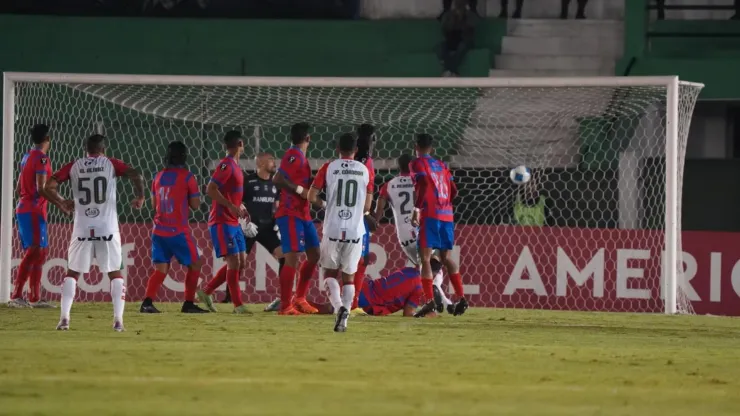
<point>671,83</point>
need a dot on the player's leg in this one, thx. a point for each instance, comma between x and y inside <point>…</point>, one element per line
<point>440,298</point>
<point>333,288</point>
<point>161,255</point>
<point>42,242</point>
<point>349,256</point>
<point>24,222</point>
<point>237,250</point>
<point>270,240</point>
<point>447,241</point>
<point>428,241</point>
<point>291,233</point>
<point>79,258</point>
<point>220,249</point>
<point>308,268</point>
<point>361,267</point>
<point>109,257</point>
<point>188,256</point>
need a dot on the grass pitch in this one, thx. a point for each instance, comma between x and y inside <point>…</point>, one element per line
<point>487,362</point>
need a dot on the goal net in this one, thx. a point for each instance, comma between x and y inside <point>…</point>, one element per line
<point>590,231</point>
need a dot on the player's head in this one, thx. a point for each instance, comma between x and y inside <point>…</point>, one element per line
<point>266,162</point>
<point>347,145</point>
<point>177,154</point>
<point>95,144</point>
<point>234,141</point>
<point>424,143</point>
<point>299,133</point>
<point>365,141</point>
<point>40,134</point>
<point>403,163</point>
<point>435,263</point>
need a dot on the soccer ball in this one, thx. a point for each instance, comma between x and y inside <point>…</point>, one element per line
<point>520,175</point>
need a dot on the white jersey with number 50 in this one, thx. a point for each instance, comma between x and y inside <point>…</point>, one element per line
<point>93,181</point>
<point>399,192</point>
<point>346,183</point>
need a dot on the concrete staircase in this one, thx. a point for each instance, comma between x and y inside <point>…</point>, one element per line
<point>539,126</point>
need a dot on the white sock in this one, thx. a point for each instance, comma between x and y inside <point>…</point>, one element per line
<point>438,282</point>
<point>335,297</point>
<point>348,295</point>
<point>118,293</point>
<point>69,289</point>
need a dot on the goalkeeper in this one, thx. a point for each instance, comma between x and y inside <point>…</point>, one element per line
<point>260,197</point>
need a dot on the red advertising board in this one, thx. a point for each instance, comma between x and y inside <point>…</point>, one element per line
<point>502,266</point>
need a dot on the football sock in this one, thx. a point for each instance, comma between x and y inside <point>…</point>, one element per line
<point>69,289</point>
<point>153,284</point>
<point>34,285</point>
<point>216,281</point>
<point>359,281</point>
<point>287,280</point>
<point>281,262</point>
<point>348,294</point>
<point>335,296</point>
<point>118,293</point>
<point>191,284</point>
<point>232,280</point>
<point>438,282</point>
<point>304,279</point>
<point>427,285</point>
<point>456,281</point>
<point>24,270</point>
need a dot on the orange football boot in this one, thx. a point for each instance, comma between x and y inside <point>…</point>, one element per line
<point>290,310</point>
<point>302,305</point>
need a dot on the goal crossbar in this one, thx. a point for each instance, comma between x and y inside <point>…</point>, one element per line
<point>671,83</point>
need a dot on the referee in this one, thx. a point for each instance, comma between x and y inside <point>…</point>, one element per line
<point>260,197</point>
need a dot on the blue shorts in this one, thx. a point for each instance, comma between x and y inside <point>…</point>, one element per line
<point>32,230</point>
<point>180,246</point>
<point>296,235</point>
<point>436,234</point>
<point>366,242</point>
<point>227,239</point>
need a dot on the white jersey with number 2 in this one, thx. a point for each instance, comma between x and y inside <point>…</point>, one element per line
<point>399,192</point>
<point>93,181</point>
<point>346,183</point>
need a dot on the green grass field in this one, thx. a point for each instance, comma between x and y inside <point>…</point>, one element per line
<point>488,362</point>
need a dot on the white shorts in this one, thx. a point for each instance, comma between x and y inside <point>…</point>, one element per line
<point>344,256</point>
<point>107,254</point>
<point>412,252</point>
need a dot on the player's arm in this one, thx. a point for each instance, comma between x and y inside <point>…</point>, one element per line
<point>408,310</point>
<point>370,219</point>
<point>50,189</point>
<point>380,204</point>
<point>193,193</point>
<point>133,175</point>
<point>213,190</point>
<point>288,164</point>
<point>419,179</point>
<point>318,185</point>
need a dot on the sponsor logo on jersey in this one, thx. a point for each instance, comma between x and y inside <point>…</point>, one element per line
<point>274,189</point>
<point>257,188</point>
<point>224,166</point>
<point>269,199</point>
<point>43,160</point>
<point>345,214</point>
<point>89,162</point>
<point>345,165</point>
<point>408,242</point>
<point>291,159</point>
<point>92,212</point>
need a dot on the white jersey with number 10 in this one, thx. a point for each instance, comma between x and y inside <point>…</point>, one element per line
<point>346,186</point>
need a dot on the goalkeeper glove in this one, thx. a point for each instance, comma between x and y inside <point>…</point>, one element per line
<point>249,228</point>
<point>277,231</point>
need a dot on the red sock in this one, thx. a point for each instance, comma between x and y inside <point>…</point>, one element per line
<point>24,271</point>
<point>153,284</point>
<point>287,279</point>
<point>34,285</point>
<point>304,279</point>
<point>359,281</point>
<point>232,279</point>
<point>428,286</point>
<point>191,284</point>
<point>456,281</point>
<point>216,281</point>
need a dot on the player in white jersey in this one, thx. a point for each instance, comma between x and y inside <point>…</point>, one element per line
<point>95,234</point>
<point>348,201</point>
<point>399,194</point>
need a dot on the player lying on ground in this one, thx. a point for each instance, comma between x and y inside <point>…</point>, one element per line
<point>434,191</point>
<point>399,194</point>
<point>346,183</point>
<point>30,216</point>
<point>95,233</point>
<point>174,189</point>
<point>293,218</point>
<point>225,189</point>
<point>260,198</point>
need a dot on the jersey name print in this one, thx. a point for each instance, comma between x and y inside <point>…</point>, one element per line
<point>346,183</point>
<point>93,181</point>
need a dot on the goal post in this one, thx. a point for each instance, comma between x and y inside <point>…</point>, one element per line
<point>607,154</point>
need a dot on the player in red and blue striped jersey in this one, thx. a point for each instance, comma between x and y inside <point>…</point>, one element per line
<point>365,145</point>
<point>293,218</point>
<point>225,189</point>
<point>30,214</point>
<point>174,193</point>
<point>434,190</point>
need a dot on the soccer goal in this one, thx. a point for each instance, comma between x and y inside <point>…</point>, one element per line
<point>597,228</point>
